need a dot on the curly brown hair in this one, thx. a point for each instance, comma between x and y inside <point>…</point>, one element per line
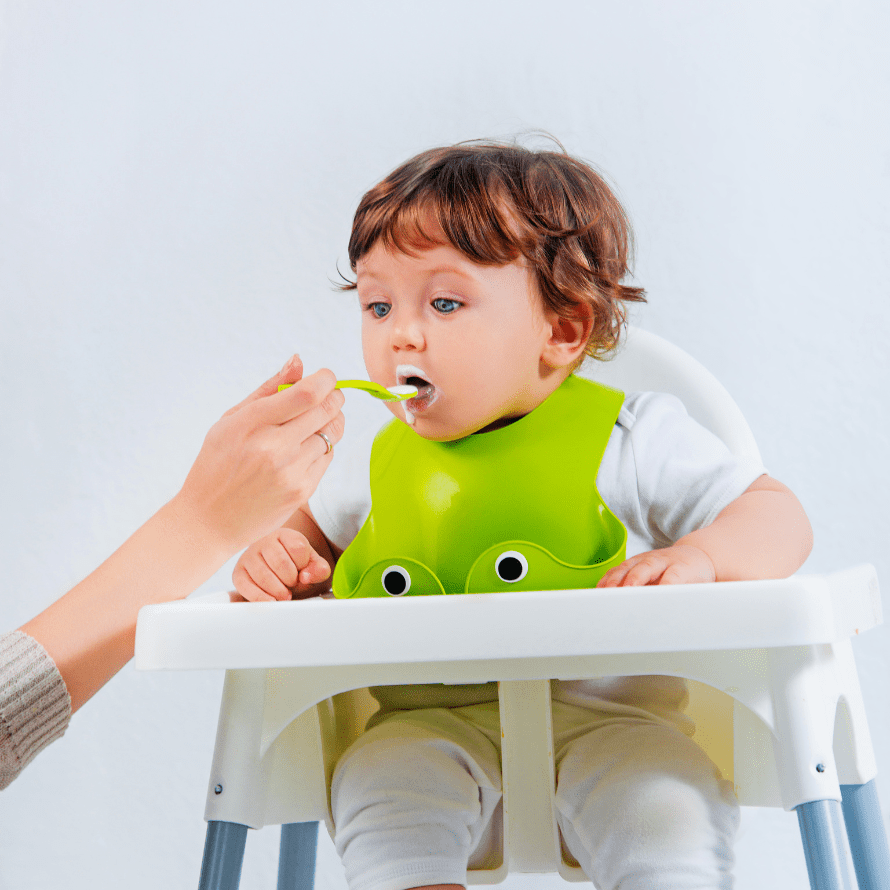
<point>496,202</point>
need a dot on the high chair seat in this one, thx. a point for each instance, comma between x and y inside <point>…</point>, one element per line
<point>773,686</point>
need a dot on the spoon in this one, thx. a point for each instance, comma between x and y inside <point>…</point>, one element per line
<point>391,394</point>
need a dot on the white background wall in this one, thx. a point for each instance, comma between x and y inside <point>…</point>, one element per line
<point>176,187</point>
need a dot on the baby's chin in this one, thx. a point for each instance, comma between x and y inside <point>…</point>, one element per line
<point>439,429</point>
<point>435,429</point>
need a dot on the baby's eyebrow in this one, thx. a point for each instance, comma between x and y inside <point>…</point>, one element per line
<point>368,277</point>
<point>451,270</point>
<point>445,269</point>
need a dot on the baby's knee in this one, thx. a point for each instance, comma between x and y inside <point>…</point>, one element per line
<point>628,755</point>
<point>408,811</point>
<point>637,800</point>
<point>661,808</point>
<point>391,772</point>
<point>670,811</point>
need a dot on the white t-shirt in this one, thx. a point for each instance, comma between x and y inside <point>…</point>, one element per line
<point>662,474</point>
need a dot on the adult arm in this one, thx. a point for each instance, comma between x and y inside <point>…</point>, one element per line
<point>259,463</point>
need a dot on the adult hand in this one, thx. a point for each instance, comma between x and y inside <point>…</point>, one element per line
<point>259,462</point>
<point>262,460</point>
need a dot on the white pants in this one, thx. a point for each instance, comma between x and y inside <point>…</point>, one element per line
<point>640,806</point>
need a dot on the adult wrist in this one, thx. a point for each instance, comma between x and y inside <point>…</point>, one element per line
<point>190,529</point>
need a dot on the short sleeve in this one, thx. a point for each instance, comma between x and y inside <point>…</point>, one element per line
<point>665,475</point>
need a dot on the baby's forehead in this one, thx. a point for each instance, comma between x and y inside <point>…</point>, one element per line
<point>429,258</point>
<point>409,237</point>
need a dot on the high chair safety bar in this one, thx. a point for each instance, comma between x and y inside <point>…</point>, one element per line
<point>773,686</point>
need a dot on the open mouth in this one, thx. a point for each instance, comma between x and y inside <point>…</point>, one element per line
<point>423,386</point>
<point>426,391</point>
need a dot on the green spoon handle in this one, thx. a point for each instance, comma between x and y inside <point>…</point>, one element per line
<point>365,385</point>
<point>340,384</point>
<point>376,390</point>
<point>373,389</point>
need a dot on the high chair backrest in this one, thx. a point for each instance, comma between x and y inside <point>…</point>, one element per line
<point>647,363</point>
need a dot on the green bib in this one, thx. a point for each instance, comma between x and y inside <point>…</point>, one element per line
<point>515,508</point>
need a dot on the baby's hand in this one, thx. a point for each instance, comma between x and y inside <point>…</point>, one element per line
<point>278,567</point>
<point>680,564</point>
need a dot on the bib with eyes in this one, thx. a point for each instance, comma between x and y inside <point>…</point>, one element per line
<point>515,508</point>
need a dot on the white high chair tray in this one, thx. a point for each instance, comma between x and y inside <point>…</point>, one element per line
<point>213,632</point>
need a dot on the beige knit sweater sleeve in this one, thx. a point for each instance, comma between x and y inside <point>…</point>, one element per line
<point>34,704</point>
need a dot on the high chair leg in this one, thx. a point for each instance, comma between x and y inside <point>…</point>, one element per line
<point>296,859</point>
<point>223,856</point>
<point>868,838</point>
<point>823,845</point>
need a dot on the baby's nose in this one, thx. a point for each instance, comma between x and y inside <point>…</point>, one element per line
<point>408,335</point>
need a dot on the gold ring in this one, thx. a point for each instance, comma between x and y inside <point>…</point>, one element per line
<point>327,442</point>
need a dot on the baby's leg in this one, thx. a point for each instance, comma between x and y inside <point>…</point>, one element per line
<point>412,799</point>
<point>641,806</point>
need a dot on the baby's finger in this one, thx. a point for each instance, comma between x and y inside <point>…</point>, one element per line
<point>297,547</point>
<point>267,581</point>
<point>676,573</point>
<point>614,577</point>
<point>246,586</point>
<point>647,571</point>
<point>280,561</point>
<point>317,569</point>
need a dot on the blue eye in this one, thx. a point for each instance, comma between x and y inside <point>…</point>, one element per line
<point>379,310</point>
<point>445,305</point>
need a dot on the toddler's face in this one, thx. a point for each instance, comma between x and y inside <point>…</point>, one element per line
<point>469,336</point>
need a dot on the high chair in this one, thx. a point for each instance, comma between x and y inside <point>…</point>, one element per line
<point>773,686</point>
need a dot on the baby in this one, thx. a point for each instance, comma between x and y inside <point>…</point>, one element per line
<point>486,273</point>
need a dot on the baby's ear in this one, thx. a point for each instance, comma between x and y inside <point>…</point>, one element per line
<point>568,336</point>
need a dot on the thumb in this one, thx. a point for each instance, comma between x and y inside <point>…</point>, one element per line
<point>290,373</point>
